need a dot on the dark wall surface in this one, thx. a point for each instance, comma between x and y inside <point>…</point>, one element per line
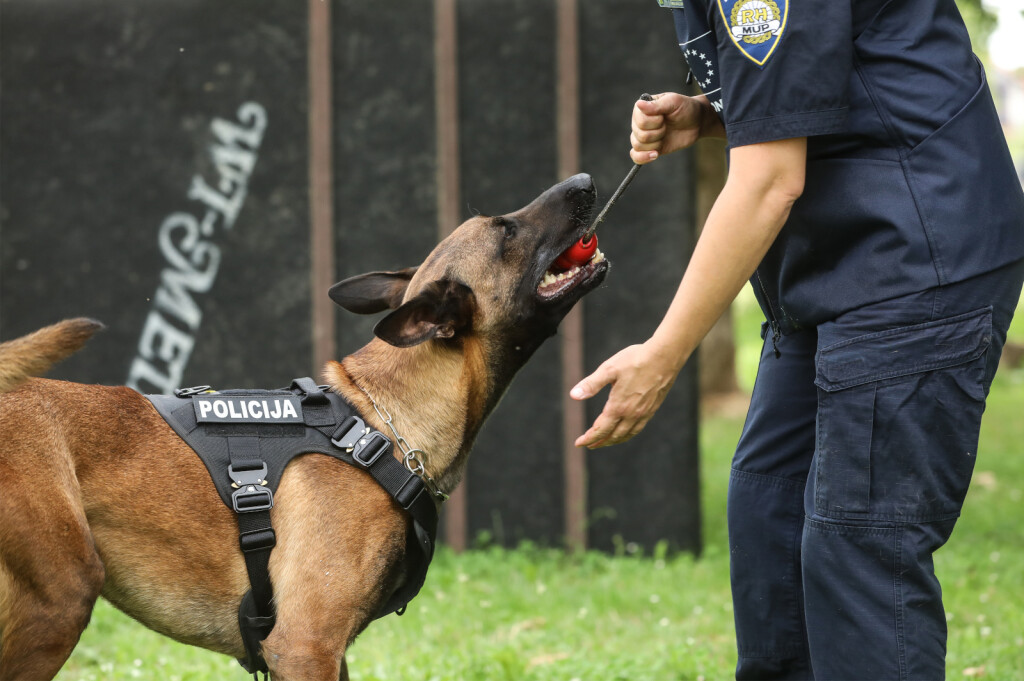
<point>509,156</point>
<point>384,150</point>
<point>154,174</point>
<point>108,117</point>
<point>646,489</point>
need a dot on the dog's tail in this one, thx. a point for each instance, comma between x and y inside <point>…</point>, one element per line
<point>35,353</point>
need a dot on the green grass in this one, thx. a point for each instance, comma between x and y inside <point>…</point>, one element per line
<point>534,614</point>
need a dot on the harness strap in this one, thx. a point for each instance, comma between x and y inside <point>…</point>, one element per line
<point>412,494</point>
<point>252,502</point>
<point>372,453</point>
<point>408,490</point>
<point>256,538</point>
<point>316,406</point>
<point>254,630</point>
<point>256,614</point>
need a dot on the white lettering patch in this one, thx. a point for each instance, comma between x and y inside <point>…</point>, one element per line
<point>247,409</point>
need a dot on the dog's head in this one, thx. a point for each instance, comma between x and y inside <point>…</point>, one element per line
<point>491,279</point>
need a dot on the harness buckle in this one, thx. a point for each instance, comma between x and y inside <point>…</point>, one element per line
<point>370,448</point>
<point>251,493</point>
<point>349,432</point>
<point>252,498</point>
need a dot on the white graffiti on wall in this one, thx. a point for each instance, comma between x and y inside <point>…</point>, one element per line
<point>168,334</point>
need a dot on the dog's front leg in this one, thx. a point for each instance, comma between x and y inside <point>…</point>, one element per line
<point>310,647</point>
<point>303,661</point>
<point>340,540</point>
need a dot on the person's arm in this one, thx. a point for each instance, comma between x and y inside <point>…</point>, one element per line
<point>764,181</point>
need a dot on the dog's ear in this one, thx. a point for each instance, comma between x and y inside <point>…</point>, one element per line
<point>372,292</point>
<point>441,310</point>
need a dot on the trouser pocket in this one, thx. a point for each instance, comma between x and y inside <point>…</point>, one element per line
<point>898,418</point>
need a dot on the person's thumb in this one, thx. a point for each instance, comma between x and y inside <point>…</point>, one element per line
<point>592,384</point>
<point>659,106</point>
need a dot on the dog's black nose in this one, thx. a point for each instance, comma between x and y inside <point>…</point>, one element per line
<point>578,184</point>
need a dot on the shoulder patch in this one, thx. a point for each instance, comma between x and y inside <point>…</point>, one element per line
<point>755,26</point>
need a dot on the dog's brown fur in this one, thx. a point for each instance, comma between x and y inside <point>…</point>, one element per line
<point>100,497</point>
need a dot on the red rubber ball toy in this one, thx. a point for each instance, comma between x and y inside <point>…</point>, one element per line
<point>577,254</point>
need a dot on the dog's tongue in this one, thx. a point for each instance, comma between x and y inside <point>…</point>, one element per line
<point>577,254</point>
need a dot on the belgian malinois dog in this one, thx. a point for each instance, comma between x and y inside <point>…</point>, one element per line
<point>98,496</point>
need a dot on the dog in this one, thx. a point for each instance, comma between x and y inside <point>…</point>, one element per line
<point>99,496</point>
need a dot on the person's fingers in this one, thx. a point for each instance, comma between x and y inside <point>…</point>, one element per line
<point>634,397</point>
<point>603,426</point>
<point>638,426</point>
<point>643,120</point>
<point>628,425</point>
<point>642,157</point>
<point>643,153</point>
<point>616,420</point>
<point>592,384</point>
<point>647,137</point>
<point>642,146</point>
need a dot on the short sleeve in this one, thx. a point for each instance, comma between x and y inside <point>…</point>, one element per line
<point>785,67</point>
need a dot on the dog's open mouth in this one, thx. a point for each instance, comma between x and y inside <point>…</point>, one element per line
<point>555,285</point>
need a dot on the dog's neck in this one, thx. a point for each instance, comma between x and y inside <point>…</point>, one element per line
<point>437,395</point>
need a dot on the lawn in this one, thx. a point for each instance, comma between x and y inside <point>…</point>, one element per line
<point>534,614</point>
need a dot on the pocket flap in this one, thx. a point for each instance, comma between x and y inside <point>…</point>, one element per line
<point>904,351</point>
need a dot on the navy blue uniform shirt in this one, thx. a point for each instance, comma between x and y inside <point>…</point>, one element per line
<point>909,180</point>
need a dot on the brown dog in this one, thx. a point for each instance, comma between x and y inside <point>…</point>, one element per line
<point>99,496</point>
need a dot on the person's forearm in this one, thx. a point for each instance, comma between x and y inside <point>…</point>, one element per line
<point>742,225</point>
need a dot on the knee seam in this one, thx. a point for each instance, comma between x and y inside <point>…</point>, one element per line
<point>769,480</point>
<point>829,525</point>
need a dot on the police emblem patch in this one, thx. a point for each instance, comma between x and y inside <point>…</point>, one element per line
<point>755,26</point>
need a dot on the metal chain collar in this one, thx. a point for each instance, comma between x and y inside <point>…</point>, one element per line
<point>412,462</point>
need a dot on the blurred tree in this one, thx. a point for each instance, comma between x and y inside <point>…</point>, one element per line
<point>980,21</point>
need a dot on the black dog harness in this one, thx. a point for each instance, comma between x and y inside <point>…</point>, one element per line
<point>246,439</point>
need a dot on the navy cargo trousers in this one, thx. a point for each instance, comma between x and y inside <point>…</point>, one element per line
<point>851,471</point>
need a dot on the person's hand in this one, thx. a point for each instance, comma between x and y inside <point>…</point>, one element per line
<point>667,123</point>
<point>641,376</point>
